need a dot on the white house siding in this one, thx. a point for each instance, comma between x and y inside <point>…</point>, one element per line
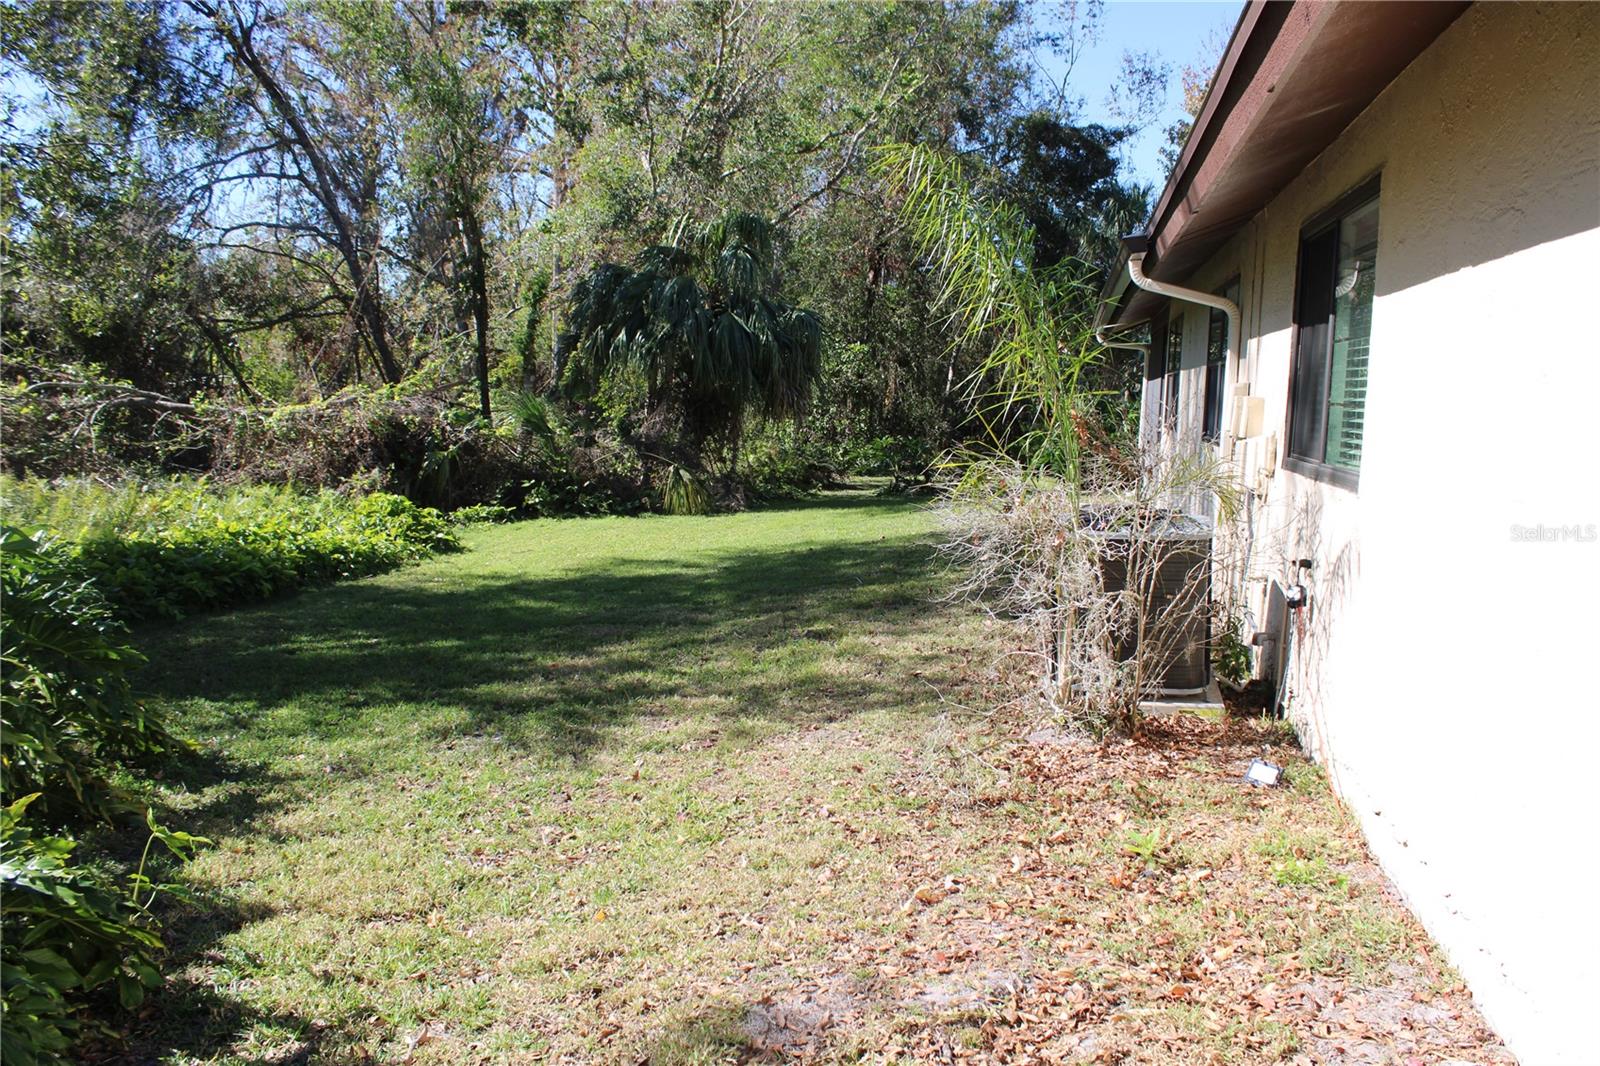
<point>1447,673</point>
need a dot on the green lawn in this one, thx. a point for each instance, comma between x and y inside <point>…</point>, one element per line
<point>679,790</point>
<point>545,790</point>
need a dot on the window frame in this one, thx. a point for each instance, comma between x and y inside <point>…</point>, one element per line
<point>1172,375</point>
<point>1214,436</point>
<point>1316,226</point>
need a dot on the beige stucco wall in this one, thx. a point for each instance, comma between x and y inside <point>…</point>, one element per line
<point>1445,671</point>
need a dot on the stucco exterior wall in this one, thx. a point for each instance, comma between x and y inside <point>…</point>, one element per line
<point>1442,672</point>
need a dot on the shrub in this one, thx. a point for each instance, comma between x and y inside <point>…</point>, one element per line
<point>67,710</point>
<point>66,932</point>
<point>1230,655</point>
<point>1100,576</point>
<point>418,446</point>
<point>68,721</point>
<point>169,548</point>
<point>481,513</point>
<point>783,464</point>
<point>907,461</point>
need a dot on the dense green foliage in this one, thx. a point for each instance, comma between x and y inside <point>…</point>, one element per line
<point>69,723</point>
<point>67,932</point>
<point>167,549</point>
<point>334,242</point>
<point>698,325</point>
<point>69,713</point>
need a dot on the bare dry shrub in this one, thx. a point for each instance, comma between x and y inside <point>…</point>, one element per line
<point>1107,580</point>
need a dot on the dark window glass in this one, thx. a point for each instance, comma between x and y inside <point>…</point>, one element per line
<point>1216,365</point>
<point>1308,395</point>
<point>1333,334</point>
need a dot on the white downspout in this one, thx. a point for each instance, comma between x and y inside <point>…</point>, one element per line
<point>1138,346</point>
<point>1205,299</point>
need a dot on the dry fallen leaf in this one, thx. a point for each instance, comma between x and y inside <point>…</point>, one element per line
<point>426,1035</point>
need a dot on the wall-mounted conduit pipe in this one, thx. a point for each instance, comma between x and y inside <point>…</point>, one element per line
<point>1204,299</point>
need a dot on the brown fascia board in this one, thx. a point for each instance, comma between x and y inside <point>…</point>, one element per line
<point>1294,76</point>
<point>1201,133</point>
<point>1255,37</point>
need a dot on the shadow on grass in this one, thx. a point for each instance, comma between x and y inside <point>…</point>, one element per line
<point>557,660</point>
<point>370,677</point>
<point>185,1018</point>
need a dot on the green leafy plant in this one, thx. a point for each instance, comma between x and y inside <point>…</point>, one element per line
<point>179,547</point>
<point>698,317</point>
<point>907,461</point>
<point>781,463</point>
<point>1149,847</point>
<point>1230,656</point>
<point>482,513</point>
<point>66,706</point>
<point>683,494</point>
<point>69,932</point>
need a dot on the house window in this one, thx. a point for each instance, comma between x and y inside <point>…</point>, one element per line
<point>1216,364</point>
<point>1155,371</point>
<point>1169,388</point>
<point>1333,332</point>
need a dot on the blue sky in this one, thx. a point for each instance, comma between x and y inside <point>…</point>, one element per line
<point>1179,32</point>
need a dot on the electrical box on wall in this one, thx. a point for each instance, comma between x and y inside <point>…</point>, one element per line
<point>1250,412</point>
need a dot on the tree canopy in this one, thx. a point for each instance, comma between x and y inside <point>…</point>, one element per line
<point>254,204</point>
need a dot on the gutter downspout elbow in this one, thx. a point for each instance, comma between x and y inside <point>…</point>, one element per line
<point>1137,346</point>
<point>1204,299</point>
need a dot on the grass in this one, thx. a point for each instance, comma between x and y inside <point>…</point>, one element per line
<point>687,790</point>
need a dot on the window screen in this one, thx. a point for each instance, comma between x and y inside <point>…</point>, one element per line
<point>1333,335</point>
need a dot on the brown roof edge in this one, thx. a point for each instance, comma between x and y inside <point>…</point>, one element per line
<point>1112,292</point>
<point>1204,131</point>
<point>1295,74</point>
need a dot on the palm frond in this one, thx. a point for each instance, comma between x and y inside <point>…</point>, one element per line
<point>697,317</point>
<point>1033,323</point>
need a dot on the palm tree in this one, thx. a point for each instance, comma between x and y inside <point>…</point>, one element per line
<point>696,317</point>
<point>1033,322</point>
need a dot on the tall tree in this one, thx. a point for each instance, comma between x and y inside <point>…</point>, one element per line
<point>309,144</point>
<point>698,319</point>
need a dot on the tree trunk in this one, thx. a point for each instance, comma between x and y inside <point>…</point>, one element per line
<point>322,183</point>
<point>478,283</point>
